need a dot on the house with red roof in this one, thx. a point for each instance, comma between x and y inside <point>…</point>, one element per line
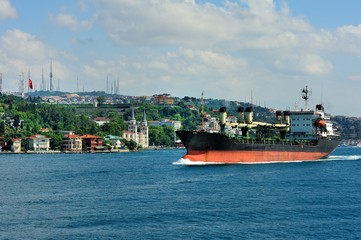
<point>72,142</point>
<point>92,142</point>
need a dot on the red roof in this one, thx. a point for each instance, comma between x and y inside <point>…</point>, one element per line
<point>38,136</point>
<point>102,119</point>
<point>89,136</point>
<point>71,136</point>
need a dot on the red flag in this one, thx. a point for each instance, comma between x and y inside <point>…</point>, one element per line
<point>30,84</point>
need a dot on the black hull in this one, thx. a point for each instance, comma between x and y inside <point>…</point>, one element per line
<point>204,146</point>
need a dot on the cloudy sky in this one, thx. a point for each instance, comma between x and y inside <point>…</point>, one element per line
<point>262,51</point>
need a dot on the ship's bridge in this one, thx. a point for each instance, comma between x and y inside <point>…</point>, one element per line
<point>310,123</point>
<point>301,122</point>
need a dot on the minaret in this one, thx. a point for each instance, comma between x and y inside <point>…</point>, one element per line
<point>144,131</point>
<point>144,121</point>
<point>51,76</point>
<point>132,127</point>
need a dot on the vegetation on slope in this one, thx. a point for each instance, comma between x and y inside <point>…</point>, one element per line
<point>23,118</point>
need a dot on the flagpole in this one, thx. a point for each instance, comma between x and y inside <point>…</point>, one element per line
<point>28,80</point>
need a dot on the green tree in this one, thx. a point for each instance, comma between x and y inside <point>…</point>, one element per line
<point>161,136</point>
<point>101,100</point>
<point>130,144</point>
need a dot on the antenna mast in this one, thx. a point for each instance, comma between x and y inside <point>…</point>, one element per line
<point>1,82</point>
<point>43,87</point>
<point>77,84</point>
<point>51,75</point>
<point>306,93</point>
<point>202,113</point>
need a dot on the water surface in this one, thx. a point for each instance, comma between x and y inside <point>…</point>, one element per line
<point>143,195</point>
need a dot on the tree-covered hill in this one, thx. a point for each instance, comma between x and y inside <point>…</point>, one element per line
<point>25,117</point>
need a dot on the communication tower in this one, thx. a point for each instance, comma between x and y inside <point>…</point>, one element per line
<point>43,84</point>
<point>1,82</point>
<point>21,84</point>
<point>51,76</point>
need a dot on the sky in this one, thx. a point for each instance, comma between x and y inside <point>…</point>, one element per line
<point>258,51</point>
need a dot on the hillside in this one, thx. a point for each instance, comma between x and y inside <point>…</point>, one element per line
<point>24,117</point>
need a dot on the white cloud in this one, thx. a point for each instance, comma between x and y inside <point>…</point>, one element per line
<point>6,10</point>
<point>204,44</point>
<point>70,21</point>
<point>254,24</point>
<point>306,63</point>
<point>350,30</point>
<point>18,44</point>
<point>189,47</point>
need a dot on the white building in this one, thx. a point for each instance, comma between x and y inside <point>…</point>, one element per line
<point>100,121</point>
<point>115,141</point>
<point>138,132</point>
<point>167,122</point>
<point>38,142</point>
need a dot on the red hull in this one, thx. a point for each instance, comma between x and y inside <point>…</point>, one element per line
<point>214,156</point>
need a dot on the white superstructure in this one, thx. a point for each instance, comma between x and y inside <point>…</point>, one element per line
<point>310,124</point>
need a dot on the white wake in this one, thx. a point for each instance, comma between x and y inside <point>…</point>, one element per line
<point>187,162</point>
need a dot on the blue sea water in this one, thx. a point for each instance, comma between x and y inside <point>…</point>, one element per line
<point>143,195</point>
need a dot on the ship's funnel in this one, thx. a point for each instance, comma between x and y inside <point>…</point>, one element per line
<point>319,107</point>
<point>279,117</point>
<point>240,115</point>
<point>286,115</point>
<point>223,115</point>
<point>249,115</point>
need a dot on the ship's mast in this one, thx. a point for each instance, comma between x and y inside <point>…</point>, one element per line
<point>306,93</point>
<point>202,113</point>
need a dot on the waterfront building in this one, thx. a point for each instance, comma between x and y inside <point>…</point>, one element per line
<point>92,142</point>
<point>71,142</point>
<point>16,145</point>
<point>38,142</point>
<point>114,141</point>
<point>138,132</point>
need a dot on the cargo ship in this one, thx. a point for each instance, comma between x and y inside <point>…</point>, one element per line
<point>297,135</point>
